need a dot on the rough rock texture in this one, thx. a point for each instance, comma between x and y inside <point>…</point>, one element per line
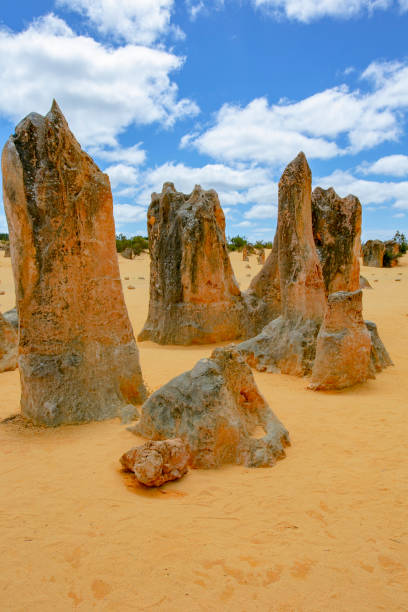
<point>363,283</point>
<point>128,253</point>
<point>392,252</point>
<point>78,357</point>
<point>155,463</point>
<point>194,297</point>
<point>288,342</point>
<point>263,297</point>
<point>245,254</point>
<point>8,346</point>
<point>373,253</point>
<point>261,257</point>
<point>343,344</point>
<point>337,235</point>
<point>217,409</point>
<point>7,251</point>
<point>12,317</point>
<point>379,356</point>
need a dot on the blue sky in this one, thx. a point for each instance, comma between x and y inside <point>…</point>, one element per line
<point>221,93</point>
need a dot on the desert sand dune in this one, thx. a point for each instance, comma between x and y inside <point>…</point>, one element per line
<point>324,530</point>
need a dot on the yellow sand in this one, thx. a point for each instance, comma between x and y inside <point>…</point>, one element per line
<point>326,529</point>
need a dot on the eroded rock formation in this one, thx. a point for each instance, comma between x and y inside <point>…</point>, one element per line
<point>261,257</point>
<point>288,342</point>
<point>216,408</point>
<point>343,344</point>
<point>194,297</point>
<point>337,232</point>
<point>155,463</point>
<point>245,254</point>
<point>78,357</point>
<point>8,346</point>
<point>263,297</point>
<point>373,253</point>
<point>128,253</point>
<point>391,254</point>
<point>379,356</point>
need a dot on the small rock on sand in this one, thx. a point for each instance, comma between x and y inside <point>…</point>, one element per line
<point>157,462</point>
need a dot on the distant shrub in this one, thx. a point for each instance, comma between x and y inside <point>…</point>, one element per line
<point>137,243</point>
<point>402,241</point>
<point>261,244</point>
<point>4,237</point>
<point>237,243</point>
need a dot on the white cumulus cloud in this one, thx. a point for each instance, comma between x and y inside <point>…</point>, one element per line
<point>127,213</point>
<point>121,174</point>
<point>368,192</point>
<point>311,10</point>
<point>319,124</point>
<point>102,90</point>
<point>392,165</point>
<point>133,21</point>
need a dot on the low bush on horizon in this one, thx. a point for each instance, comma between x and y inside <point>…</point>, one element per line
<point>237,243</point>
<point>136,243</point>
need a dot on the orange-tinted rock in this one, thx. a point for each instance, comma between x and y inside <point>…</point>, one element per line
<point>8,346</point>
<point>7,251</point>
<point>261,257</point>
<point>373,253</point>
<point>391,254</point>
<point>216,409</point>
<point>245,254</point>
<point>288,342</point>
<point>343,344</point>
<point>337,235</point>
<point>194,297</point>
<point>263,297</point>
<point>155,463</point>
<point>78,356</point>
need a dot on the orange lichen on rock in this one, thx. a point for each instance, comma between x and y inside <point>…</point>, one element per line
<point>343,344</point>
<point>194,297</point>
<point>337,235</point>
<point>373,253</point>
<point>216,409</point>
<point>78,356</point>
<point>288,342</point>
<point>157,462</point>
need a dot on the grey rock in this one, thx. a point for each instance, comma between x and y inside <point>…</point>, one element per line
<point>216,409</point>
<point>379,356</point>
<point>12,317</point>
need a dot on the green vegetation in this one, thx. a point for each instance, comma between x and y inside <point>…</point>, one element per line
<point>137,243</point>
<point>4,237</point>
<point>260,244</point>
<point>237,243</point>
<point>402,241</point>
<point>387,259</point>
